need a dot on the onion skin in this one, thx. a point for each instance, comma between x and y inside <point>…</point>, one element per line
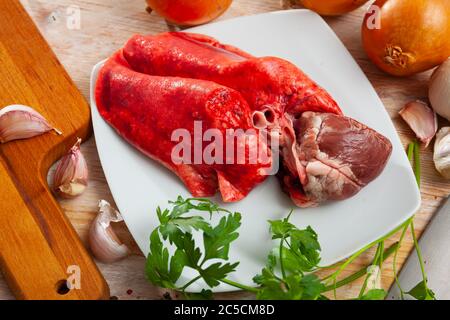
<point>414,35</point>
<point>189,12</point>
<point>332,7</point>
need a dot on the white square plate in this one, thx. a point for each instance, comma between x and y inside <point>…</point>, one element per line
<point>139,184</point>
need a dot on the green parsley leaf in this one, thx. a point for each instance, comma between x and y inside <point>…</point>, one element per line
<point>297,253</point>
<point>422,292</point>
<point>374,294</point>
<point>302,249</point>
<point>313,287</point>
<point>216,272</point>
<point>217,240</point>
<point>157,266</point>
<point>280,228</point>
<point>305,247</point>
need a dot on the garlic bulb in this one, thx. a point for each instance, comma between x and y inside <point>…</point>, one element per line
<point>71,175</point>
<point>22,122</point>
<point>439,90</point>
<point>441,155</point>
<point>421,119</point>
<point>105,244</point>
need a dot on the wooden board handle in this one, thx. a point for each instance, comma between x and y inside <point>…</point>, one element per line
<point>39,249</point>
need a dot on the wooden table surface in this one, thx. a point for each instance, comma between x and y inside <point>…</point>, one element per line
<point>107,24</point>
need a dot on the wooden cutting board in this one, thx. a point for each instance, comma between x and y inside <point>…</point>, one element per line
<point>39,249</point>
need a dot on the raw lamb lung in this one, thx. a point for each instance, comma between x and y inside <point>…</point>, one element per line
<point>267,83</point>
<point>145,110</point>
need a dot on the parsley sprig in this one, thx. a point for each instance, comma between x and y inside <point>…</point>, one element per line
<point>290,266</point>
<point>165,268</point>
<point>173,248</point>
<point>296,254</point>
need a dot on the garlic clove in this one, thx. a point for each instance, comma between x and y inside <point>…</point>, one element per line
<point>441,156</point>
<point>71,175</point>
<point>439,90</point>
<point>22,122</point>
<point>72,189</point>
<point>104,243</point>
<point>421,119</point>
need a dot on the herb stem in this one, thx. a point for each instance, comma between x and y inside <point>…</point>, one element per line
<point>416,244</point>
<point>360,273</point>
<point>419,254</point>
<point>380,257</point>
<point>240,286</point>
<point>332,266</point>
<point>410,151</point>
<point>183,288</point>
<point>394,262</point>
<point>363,287</point>
<point>283,272</point>
<point>365,248</point>
<point>417,169</point>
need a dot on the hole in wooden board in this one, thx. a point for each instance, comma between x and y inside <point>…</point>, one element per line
<point>62,288</point>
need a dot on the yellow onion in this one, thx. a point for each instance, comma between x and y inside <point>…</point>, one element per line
<point>332,7</point>
<point>412,35</point>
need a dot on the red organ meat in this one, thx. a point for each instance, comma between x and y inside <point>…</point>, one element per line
<point>269,84</point>
<point>158,83</point>
<point>145,110</point>
<point>336,157</point>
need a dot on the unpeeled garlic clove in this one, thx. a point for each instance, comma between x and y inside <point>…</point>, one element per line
<point>105,245</point>
<point>441,156</point>
<point>71,175</point>
<point>421,119</point>
<point>22,122</point>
